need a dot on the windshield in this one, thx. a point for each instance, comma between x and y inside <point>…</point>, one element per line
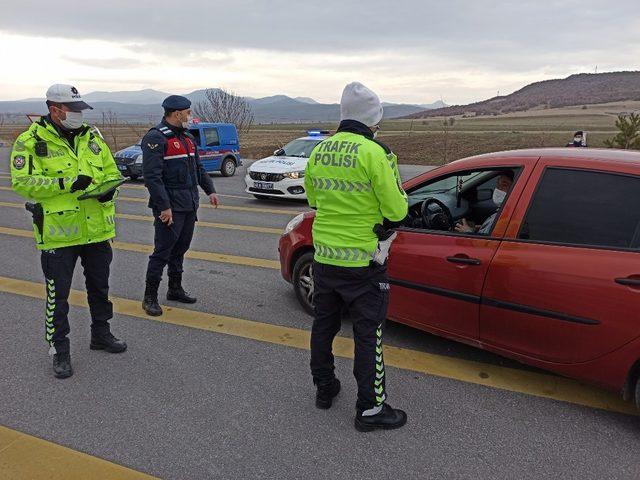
<point>300,147</point>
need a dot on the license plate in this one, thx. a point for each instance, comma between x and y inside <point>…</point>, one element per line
<point>122,167</point>
<point>263,185</point>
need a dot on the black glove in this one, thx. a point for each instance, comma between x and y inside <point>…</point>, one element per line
<point>107,196</point>
<point>81,183</point>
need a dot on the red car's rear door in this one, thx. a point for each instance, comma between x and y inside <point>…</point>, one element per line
<point>437,277</point>
<point>564,285</point>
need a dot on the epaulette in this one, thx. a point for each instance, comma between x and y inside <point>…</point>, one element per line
<point>166,131</point>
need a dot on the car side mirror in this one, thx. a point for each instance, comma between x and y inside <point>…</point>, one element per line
<point>279,152</point>
<point>485,194</point>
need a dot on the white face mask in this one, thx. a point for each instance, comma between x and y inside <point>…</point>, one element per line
<point>73,121</point>
<point>185,124</point>
<point>499,196</point>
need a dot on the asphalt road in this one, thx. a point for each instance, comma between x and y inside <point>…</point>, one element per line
<point>187,403</point>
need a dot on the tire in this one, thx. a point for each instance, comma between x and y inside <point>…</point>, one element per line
<point>637,393</point>
<point>228,167</point>
<point>302,280</point>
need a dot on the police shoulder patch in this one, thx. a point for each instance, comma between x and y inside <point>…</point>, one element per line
<point>94,147</point>
<point>19,162</point>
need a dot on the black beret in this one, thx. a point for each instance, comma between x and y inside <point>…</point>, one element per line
<point>176,102</point>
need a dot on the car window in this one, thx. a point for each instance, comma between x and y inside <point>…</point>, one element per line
<point>468,195</point>
<point>211,137</point>
<point>300,147</point>
<point>442,185</point>
<point>584,207</point>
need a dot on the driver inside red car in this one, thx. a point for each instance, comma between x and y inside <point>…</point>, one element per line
<point>503,185</point>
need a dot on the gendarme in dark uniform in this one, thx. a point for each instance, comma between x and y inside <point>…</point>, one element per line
<point>172,173</point>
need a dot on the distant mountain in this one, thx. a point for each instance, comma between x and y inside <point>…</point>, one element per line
<point>144,106</point>
<point>308,100</point>
<point>580,89</point>
<point>431,106</point>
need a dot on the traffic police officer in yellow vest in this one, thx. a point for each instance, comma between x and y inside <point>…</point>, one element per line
<point>52,164</point>
<point>353,182</point>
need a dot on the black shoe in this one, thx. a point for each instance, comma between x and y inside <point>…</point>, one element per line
<point>388,419</point>
<point>62,365</point>
<point>180,296</point>
<point>326,394</point>
<point>150,302</point>
<point>107,342</point>
<point>176,293</point>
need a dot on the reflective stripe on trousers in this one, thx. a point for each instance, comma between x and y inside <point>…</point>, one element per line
<point>50,308</point>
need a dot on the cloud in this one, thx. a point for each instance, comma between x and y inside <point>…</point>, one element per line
<point>411,50</point>
<point>114,62</point>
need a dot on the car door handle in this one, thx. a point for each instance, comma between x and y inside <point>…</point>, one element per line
<point>464,260</point>
<point>629,282</point>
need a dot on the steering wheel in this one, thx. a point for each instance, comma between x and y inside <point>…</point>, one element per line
<point>438,218</point>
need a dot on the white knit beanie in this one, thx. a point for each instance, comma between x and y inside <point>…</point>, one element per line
<point>361,104</point>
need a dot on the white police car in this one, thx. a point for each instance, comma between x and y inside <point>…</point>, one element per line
<point>282,174</point>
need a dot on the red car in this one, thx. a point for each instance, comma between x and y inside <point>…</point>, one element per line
<point>549,276</point>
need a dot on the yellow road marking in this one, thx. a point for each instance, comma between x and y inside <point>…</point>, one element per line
<point>274,211</point>
<point>142,187</point>
<point>145,218</point>
<point>142,248</point>
<point>224,207</point>
<point>503,378</point>
<point>24,456</point>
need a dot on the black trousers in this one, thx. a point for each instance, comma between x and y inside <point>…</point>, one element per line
<point>58,266</point>
<point>170,245</point>
<point>364,292</point>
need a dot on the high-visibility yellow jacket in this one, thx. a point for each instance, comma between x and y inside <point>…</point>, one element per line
<point>354,184</point>
<point>44,173</point>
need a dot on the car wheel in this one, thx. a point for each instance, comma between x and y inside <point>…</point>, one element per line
<point>303,281</point>
<point>228,168</point>
<point>637,399</point>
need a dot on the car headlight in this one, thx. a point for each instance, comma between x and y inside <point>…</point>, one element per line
<point>138,160</point>
<point>294,175</point>
<point>293,223</point>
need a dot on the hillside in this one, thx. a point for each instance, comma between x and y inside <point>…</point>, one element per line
<point>143,106</point>
<point>580,89</point>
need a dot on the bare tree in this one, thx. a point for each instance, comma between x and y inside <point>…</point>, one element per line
<point>222,106</point>
<point>109,128</point>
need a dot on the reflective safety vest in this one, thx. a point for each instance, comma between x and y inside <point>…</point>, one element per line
<point>354,184</point>
<point>43,168</point>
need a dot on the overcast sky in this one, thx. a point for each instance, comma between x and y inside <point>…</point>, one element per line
<point>413,51</point>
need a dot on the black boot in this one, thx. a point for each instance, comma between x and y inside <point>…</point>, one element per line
<point>62,365</point>
<point>387,419</point>
<point>326,393</point>
<point>107,342</point>
<point>176,293</point>
<point>150,303</point>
